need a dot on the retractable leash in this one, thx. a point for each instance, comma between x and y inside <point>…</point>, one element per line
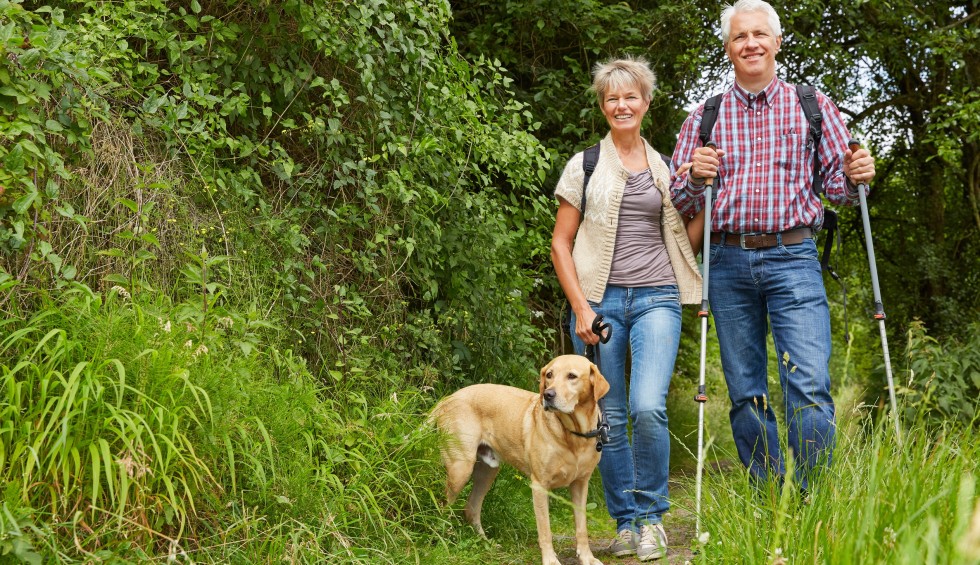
<point>604,331</point>
<point>879,314</point>
<point>702,396</point>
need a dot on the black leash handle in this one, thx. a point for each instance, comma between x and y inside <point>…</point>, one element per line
<point>603,330</point>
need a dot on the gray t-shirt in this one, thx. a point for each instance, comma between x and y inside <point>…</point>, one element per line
<point>639,256</point>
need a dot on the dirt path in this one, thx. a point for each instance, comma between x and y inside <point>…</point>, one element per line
<point>679,524</point>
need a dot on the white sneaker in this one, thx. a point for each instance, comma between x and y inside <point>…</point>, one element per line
<point>652,544</point>
<point>623,544</point>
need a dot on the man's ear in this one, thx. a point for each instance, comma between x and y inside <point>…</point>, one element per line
<point>600,386</point>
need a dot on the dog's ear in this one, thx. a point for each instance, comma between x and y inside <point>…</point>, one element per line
<point>600,386</point>
<point>544,373</point>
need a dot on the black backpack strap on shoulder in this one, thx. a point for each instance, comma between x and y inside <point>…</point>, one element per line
<point>589,161</point>
<point>811,108</point>
<point>709,117</point>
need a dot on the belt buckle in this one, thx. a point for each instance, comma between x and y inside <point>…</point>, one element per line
<point>741,241</point>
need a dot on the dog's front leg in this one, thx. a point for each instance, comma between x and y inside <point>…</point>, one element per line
<point>540,495</point>
<point>580,493</point>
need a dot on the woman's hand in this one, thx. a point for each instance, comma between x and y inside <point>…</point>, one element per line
<point>583,326</point>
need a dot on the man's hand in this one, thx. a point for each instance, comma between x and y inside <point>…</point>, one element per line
<point>705,163</point>
<point>859,166</point>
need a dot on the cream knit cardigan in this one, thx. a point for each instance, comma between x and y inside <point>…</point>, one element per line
<point>596,236</point>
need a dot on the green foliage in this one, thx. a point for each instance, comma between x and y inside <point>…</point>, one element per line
<point>942,380</point>
<point>92,438</point>
<point>138,432</point>
<point>47,105</point>
<point>374,177</point>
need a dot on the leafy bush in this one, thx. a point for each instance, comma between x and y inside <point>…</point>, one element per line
<point>942,380</point>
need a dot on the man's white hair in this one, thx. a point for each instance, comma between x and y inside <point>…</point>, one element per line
<point>743,6</point>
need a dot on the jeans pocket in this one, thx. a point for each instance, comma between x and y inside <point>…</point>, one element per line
<point>716,250</point>
<point>805,250</point>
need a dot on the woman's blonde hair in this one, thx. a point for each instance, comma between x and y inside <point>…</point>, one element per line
<point>623,73</point>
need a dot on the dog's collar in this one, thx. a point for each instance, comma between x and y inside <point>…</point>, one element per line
<point>601,431</point>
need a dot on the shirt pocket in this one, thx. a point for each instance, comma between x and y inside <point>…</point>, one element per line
<point>790,154</point>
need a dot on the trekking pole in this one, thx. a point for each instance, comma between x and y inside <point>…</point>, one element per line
<point>879,314</point>
<point>701,397</point>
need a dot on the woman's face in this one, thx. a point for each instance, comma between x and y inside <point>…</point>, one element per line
<point>624,108</point>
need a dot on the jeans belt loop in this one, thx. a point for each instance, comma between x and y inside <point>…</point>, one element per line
<point>779,239</point>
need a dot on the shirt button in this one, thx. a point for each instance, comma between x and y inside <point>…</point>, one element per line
<point>758,164</point>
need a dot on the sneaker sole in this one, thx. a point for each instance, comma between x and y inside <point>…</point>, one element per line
<point>652,556</point>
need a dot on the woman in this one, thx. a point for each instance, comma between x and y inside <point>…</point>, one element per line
<point>630,260</point>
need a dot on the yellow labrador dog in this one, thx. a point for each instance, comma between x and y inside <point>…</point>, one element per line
<point>547,436</point>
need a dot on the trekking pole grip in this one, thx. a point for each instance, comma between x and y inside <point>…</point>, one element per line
<point>854,145</point>
<point>710,180</point>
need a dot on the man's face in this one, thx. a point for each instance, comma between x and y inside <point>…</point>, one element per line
<point>752,47</point>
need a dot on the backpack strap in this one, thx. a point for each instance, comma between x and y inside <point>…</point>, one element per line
<point>708,118</point>
<point>808,99</point>
<point>588,166</point>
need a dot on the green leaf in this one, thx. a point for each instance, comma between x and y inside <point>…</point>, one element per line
<point>24,202</point>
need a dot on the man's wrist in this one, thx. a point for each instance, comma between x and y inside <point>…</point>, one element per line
<point>695,182</point>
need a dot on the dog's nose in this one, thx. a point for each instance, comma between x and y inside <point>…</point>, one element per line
<point>549,395</point>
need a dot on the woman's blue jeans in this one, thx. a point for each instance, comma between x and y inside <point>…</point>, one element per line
<point>646,325</point>
<point>785,285</point>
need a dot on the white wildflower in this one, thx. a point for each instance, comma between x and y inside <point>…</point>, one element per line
<point>704,537</point>
<point>120,291</point>
<point>188,344</point>
<point>225,322</point>
<point>201,350</point>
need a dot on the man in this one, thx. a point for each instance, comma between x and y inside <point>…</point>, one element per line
<point>762,164</point>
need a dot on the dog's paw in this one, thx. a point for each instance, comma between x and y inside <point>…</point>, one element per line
<point>589,561</point>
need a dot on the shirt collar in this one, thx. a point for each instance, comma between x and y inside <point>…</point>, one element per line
<point>765,96</point>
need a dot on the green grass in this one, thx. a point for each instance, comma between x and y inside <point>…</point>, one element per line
<point>135,432</point>
<point>879,502</point>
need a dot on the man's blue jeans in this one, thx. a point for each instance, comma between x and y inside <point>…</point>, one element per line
<point>646,324</point>
<point>783,283</point>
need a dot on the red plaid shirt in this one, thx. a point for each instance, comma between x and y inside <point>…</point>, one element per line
<point>766,174</point>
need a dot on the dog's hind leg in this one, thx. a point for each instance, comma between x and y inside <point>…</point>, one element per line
<point>484,472</point>
<point>458,473</point>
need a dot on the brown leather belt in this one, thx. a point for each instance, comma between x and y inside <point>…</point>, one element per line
<point>762,240</point>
